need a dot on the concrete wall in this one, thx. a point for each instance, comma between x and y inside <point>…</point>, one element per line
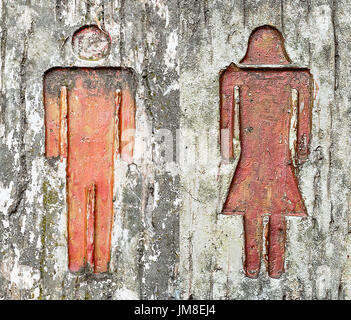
<point>169,242</point>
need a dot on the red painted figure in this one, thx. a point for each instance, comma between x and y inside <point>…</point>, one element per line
<point>89,117</point>
<point>271,101</point>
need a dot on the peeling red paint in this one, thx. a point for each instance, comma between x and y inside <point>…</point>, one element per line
<point>265,180</point>
<point>266,46</point>
<point>82,109</point>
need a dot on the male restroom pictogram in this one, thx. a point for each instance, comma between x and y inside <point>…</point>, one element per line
<point>89,119</point>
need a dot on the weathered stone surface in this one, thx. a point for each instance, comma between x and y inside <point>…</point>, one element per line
<point>36,36</point>
<point>213,34</point>
<point>168,239</point>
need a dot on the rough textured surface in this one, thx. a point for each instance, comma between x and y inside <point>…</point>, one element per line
<point>36,36</point>
<point>177,50</point>
<point>214,34</point>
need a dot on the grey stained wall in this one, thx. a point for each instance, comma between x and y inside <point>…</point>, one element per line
<point>169,242</point>
<point>36,36</point>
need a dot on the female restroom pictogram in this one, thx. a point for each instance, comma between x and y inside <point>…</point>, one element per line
<point>266,103</point>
